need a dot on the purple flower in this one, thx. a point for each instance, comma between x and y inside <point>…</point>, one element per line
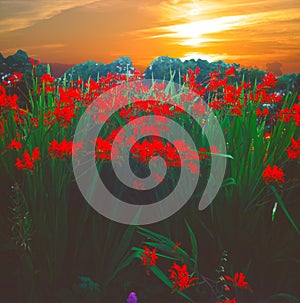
<point>132,298</point>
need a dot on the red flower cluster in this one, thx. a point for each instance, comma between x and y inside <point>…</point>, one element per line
<point>103,149</point>
<point>63,149</point>
<point>216,82</point>
<point>238,280</point>
<point>294,149</point>
<point>64,115</point>
<point>33,62</point>
<point>190,80</point>
<point>27,163</point>
<point>47,79</point>
<point>287,114</point>
<point>149,258</point>
<point>230,72</point>
<point>176,245</point>
<point>14,144</point>
<point>263,112</point>
<point>180,277</point>
<point>273,175</point>
<point>267,81</point>
<point>7,103</point>
<point>15,77</point>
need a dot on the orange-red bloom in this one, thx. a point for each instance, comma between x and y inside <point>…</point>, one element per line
<point>33,62</point>
<point>267,135</point>
<point>268,81</point>
<point>149,258</point>
<point>294,149</point>
<point>27,163</point>
<point>47,79</point>
<point>63,149</point>
<point>14,144</point>
<point>64,115</point>
<point>176,245</point>
<point>180,277</point>
<point>273,175</point>
<point>7,102</point>
<point>263,112</point>
<point>238,280</point>
<point>230,72</point>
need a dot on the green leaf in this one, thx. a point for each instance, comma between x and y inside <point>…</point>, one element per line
<point>284,297</point>
<point>274,211</point>
<point>194,243</point>
<point>281,203</point>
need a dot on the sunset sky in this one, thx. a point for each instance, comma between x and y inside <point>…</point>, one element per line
<point>73,31</point>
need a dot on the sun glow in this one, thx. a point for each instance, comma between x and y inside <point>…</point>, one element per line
<point>194,33</point>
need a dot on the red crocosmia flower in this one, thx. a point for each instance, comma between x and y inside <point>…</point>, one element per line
<point>197,70</point>
<point>236,111</point>
<point>273,175</point>
<point>125,113</point>
<point>268,81</point>
<point>104,149</point>
<point>7,103</point>
<point>149,258</point>
<point>214,75</point>
<point>231,94</point>
<point>35,156</point>
<point>263,112</point>
<point>15,77</point>
<point>296,113</point>
<point>285,115</point>
<point>230,72</point>
<point>33,62</point>
<point>180,277</point>
<point>47,79</point>
<point>233,300</point>
<point>217,104</point>
<point>64,97</point>
<point>265,157</point>
<point>35,121</point>
<point>238,280</point>
<point>49,89</point>
<point>27,163</point>
<point>267,135</point>
<point>203,153</point>
<point>64,115</point>
<point>226,288</point>
<point>14,144</point>
<point>92,85</point>
<point>176,245</point>
<point>294,149</point>
<point>63,149</point>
